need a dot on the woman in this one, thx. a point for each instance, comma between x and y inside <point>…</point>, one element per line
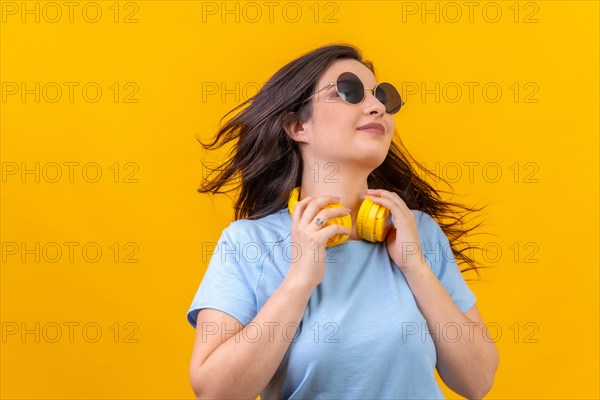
<point>282,313</point>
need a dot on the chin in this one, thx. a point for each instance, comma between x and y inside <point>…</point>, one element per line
<point>370,160</point>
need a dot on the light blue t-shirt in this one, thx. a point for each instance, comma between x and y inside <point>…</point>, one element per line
<point>361,336</point>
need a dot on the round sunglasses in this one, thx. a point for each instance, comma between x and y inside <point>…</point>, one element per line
<point>351,89</point>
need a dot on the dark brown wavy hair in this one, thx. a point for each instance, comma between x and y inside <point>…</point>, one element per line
<point>266,163</point>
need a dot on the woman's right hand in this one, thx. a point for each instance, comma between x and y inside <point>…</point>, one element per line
<point>309,239</point>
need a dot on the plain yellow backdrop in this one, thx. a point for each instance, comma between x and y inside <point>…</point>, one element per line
<point>104,235</point>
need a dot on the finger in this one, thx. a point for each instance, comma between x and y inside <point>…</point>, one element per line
<point>391,205</point>
<point>299,209</point>
<point>377,192</point>
<point>334,212</point>
<point>330,231</point>
<point>391,196</point>
<point>315,206</point>
<point>327,214</point>
<point>385,193</point>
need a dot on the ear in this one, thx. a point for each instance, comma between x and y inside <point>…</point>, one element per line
<point>294,127</point>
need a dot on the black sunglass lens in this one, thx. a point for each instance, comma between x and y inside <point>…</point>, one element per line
<point>387,94</point>
<point>350,88</point>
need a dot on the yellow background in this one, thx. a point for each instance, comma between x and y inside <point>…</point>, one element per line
<point>547,310</point>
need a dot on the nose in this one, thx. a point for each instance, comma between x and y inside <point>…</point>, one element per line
<point>372,104</point>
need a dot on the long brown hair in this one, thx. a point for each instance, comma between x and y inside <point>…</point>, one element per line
<point>269,163</point>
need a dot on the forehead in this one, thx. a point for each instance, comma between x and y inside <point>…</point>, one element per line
<point>356,67</point>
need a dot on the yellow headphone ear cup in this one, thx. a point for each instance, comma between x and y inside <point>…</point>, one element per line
<point>345,220</point>
<point>383,224</point>
<point>293,199</point>
<point>373,221</point>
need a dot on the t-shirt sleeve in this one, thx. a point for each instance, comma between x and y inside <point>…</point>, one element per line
<point>436,249</point>
<point>230,279</point>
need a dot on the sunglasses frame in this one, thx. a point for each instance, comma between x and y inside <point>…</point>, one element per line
<point>330,84</point>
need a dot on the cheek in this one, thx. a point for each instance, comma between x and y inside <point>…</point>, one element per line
<point>391,123</point>
<point>331,125</point>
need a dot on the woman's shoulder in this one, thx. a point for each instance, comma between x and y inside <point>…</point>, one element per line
<point>271,228</point>
<point>427,225</point>
<point>423,218</point>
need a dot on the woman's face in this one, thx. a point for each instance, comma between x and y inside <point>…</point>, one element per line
<point>333,133</point>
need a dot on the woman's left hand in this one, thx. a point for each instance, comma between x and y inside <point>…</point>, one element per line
<point>402,241</point>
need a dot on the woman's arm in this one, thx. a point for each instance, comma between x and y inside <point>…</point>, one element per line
<point>466,361</point>
<point>242,368</point>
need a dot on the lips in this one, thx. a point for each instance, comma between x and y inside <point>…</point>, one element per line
<point>373,127</point>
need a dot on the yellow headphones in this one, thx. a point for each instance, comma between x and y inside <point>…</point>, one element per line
<point>373,221</point>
